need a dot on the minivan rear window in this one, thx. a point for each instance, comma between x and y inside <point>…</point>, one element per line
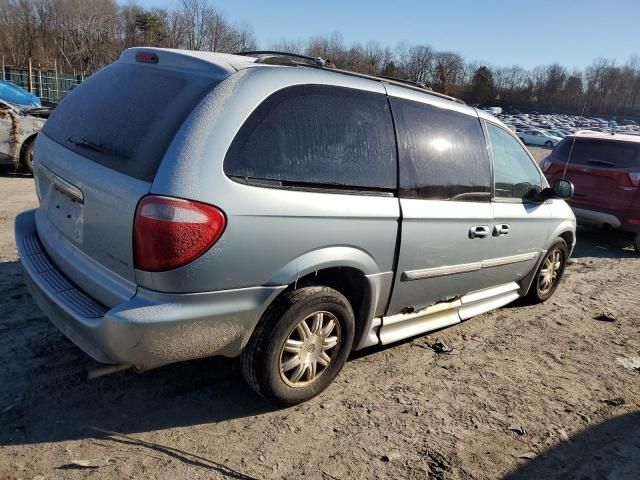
<point>599,153</point>
<point>125,116</point>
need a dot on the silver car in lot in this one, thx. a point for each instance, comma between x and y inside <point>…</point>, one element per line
<point>196,204</point>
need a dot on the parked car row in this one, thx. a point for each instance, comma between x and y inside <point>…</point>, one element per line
<point>548,129</point>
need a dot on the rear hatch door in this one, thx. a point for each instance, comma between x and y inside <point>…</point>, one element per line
<point>97,156</point>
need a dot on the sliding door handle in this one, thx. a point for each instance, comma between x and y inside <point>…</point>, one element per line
<point>501,230</point>
<point>479,231</point>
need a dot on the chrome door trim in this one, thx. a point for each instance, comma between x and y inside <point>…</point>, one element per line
<point>441,271</point>
<point>466,267</point>
<point>497,262</point>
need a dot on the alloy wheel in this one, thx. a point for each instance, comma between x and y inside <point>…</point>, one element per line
<point>309,348</point>
<point>550,271</point>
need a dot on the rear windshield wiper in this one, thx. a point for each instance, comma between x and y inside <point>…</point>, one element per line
<point>601,162</point>
<point>88,144</point>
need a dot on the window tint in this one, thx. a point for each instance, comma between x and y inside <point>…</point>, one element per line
<point>515,174</point>
<point>318,135</point>
<point>127,115</point>
<point>600,153</point>
<point>443,154</point>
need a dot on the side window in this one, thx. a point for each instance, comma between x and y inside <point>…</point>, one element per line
<point>317,135</point>
<point>514,172</point>
<point>443,154</point>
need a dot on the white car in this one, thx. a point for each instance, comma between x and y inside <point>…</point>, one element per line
<point>538,137</point>
<point>556,133</point>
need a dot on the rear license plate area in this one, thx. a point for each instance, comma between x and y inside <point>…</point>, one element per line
<point>65,214</point>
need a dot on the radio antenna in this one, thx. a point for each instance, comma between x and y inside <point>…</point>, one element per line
<point>573,141</point>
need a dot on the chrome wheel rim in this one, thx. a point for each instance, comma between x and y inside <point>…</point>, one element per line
<point>550,271</point>
<point>309,348</point>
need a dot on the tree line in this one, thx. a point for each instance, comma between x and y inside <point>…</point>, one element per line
<point>84,35</point>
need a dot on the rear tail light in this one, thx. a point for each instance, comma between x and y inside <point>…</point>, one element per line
<point>635,178</point>
<point>546,164</point>
<point>171,232</point>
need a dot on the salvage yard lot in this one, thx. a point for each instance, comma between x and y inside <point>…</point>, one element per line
<point>528,392</point>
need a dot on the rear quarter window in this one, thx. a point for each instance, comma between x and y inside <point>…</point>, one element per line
<point>128,115</point>
<point>317,135</point>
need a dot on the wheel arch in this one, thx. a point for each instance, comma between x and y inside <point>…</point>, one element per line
<point>350,271</point>
<point>566,231</point>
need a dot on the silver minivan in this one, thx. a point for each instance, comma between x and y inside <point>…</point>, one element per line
<point>273,208</point>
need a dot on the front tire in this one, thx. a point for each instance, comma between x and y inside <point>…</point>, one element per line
<point>550,272</point>
<point>300,345</point>
<point>636,242</point>
<point>548,144</point>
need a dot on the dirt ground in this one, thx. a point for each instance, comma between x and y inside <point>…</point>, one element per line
<point>528,393</point>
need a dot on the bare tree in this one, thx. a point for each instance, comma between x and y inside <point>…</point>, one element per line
<point>84,35</point>
<point>448,70</point>
<point>418,63</point>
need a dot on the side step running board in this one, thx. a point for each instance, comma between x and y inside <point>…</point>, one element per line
<point>404,325</point>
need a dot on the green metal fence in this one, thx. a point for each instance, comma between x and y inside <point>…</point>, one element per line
<point>49,85</point>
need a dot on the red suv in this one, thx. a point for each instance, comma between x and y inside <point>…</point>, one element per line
<point>605,170</point>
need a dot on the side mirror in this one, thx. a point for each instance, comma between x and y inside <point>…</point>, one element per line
<point>563,189</point>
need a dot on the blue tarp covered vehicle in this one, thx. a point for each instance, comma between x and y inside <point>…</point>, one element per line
<point>12,93</point>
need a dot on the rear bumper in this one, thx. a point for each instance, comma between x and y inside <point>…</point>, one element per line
<point>151,328</point>
<point>603,218</point>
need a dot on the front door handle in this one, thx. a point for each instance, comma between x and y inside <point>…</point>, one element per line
<point>479,231</point>
<point>501,230</point>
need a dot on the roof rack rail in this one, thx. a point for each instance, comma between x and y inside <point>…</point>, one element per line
<point>275,53</point>
<point>274,57</point>
<point>404,83</point>
<point>405,80</point>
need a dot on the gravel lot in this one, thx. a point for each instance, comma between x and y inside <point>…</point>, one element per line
<point>529,392</point>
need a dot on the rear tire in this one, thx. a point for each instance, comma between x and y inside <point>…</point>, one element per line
<point>548,144</point>
<point>636,242</point>
<point>26,159</point>
<point>287,362</point>
<point>523,142</point>
<point>549,273</point>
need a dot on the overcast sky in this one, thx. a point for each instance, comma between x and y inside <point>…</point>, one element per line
<point>527,33</point>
